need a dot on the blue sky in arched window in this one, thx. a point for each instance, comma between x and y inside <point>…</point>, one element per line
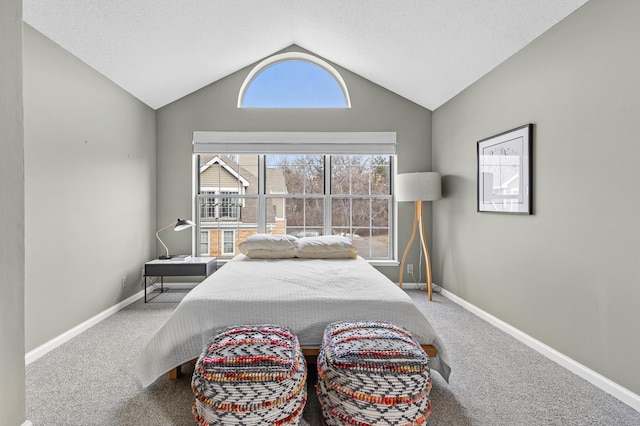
<point>294,84</point>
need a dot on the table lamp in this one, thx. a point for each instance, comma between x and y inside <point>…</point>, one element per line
<point>179,225</point>
<point>418,187</point>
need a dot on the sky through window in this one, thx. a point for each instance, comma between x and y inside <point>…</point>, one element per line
<point>294,84</point>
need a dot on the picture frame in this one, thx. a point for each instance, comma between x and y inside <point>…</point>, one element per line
<point>504,167</point>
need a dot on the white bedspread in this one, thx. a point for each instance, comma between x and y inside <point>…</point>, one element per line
<point>303,294</point>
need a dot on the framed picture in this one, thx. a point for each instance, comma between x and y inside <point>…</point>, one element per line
<point>505,172</point>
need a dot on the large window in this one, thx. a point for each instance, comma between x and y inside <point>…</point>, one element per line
<point>297,194</point>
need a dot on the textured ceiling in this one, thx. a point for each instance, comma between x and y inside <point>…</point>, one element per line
<point>424,50</point>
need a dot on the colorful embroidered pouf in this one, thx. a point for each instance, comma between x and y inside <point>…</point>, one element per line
<point>250,375</point>
<point>372,373</point>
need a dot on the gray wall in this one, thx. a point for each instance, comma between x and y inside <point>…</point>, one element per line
<point>215,108</point>
<point>90,190</point>
<point>12,221</point>
<point>569,275</point>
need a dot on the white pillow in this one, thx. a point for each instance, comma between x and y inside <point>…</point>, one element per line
<point>269,246</point>
<point>326,247</point>
<point>272,254</point>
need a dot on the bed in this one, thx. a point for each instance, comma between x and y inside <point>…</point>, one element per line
<point>303,294</point>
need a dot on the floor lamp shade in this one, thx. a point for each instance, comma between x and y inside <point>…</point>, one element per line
<point>418,187</point>
<point>421,186</point>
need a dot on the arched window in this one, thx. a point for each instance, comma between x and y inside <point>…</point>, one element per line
<point>293,80</point>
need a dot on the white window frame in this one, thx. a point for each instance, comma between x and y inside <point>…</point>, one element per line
<point>263,143</point>
<point>293,56</point>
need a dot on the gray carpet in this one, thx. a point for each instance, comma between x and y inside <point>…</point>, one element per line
<point>496,380</point>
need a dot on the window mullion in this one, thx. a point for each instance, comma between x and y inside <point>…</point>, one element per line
<point>262,203</point>
<point>195,165</point>
<point>327,196</point>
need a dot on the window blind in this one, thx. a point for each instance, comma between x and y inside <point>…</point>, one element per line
<point>218,142</point>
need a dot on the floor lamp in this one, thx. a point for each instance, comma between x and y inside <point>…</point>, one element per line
<point>178,225</point>
<point>418,187</point>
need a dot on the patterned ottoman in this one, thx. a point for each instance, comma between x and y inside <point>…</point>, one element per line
<point>250,375</point>
<point>372,373</point>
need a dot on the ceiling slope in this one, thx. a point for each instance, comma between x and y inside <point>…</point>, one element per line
<point>424,50</point>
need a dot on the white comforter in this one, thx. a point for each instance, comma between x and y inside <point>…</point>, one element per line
<point>303,294</point>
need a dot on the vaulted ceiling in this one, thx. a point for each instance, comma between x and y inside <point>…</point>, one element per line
<point>424,50</point>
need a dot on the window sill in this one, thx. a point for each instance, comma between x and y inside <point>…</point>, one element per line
<point>375,262</point>
<point>386,262</point>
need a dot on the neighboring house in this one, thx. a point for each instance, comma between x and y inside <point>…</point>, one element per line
<point>229,201</point>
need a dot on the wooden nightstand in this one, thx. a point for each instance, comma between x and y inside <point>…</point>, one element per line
<point>194,267</point>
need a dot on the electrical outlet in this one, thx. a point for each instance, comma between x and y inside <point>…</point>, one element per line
<point>124,281</point>
<point>410,268</point>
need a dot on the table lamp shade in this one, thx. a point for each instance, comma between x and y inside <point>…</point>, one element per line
<point>420,186</point>
<point>179,225</point>
<point>182,224</point>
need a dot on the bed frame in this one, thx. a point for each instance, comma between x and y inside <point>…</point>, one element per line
<point>310,354</point>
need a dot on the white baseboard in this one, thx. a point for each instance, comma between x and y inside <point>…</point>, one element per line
<point>68,335</point>
<point>612,388</point>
